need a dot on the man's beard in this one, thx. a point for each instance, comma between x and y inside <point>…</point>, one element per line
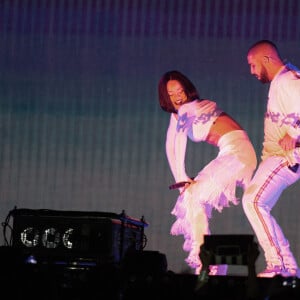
<point>264,78</point>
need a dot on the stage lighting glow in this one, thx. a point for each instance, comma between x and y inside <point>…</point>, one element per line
<point>67,238</point>
<point>50,238</point>
<point>30,237</point>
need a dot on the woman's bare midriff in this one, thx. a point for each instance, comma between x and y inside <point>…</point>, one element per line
<point>223,124</point>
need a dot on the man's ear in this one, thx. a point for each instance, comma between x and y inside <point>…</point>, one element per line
<point>266,59</point>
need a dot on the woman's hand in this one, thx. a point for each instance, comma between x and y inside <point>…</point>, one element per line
<point>183,189</point>
<point>186,185</point>
<point>287,143</point>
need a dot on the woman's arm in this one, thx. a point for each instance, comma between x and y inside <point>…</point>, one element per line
<point>175,150</point>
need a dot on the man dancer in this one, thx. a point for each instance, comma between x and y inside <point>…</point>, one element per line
<point>279,166</point>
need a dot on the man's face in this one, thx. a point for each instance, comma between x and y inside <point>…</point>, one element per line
<point>257,68</point>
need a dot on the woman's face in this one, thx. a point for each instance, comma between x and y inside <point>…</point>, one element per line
<point>177,94</point>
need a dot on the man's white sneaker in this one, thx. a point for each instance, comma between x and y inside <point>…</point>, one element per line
<point>272,271</point>
<point>293,272</point>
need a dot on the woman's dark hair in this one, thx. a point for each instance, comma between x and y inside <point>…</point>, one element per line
<point>164,98</point>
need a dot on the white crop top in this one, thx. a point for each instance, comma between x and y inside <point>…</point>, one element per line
<point>196,118</point>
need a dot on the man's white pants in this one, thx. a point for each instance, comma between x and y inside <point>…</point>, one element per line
<point>263,192</point>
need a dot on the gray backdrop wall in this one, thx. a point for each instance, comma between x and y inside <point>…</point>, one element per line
<point>80,124</point>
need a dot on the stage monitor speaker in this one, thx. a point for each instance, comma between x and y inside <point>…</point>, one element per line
<point>230,249</point>
<point>74,237</point>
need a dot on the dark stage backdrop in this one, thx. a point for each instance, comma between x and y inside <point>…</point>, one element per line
<point>80,124</point>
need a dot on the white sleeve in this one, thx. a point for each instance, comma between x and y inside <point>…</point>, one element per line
<point>175,148</point>
<point>287,93</point>
<point>294,108</point>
